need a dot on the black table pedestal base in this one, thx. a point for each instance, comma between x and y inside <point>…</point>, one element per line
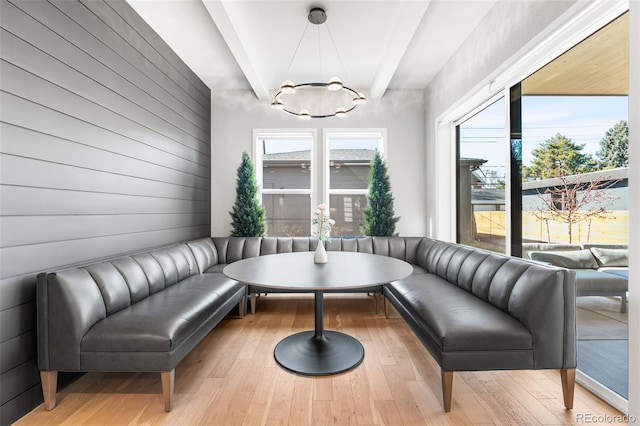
<point>330,353</point>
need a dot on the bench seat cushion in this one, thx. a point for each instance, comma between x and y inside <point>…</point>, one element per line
<point>163,321</point>
<point>455,319</point>
<point>215,269</point>
<point>418,269</point>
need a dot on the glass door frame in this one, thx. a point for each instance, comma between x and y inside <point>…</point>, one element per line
<point>541,50</point>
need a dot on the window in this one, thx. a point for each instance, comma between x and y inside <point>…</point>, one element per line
<point>294,176</point>
<point>284,174</point>
<point>348,161</point>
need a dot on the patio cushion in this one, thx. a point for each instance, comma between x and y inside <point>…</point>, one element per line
<point>574,259</point>
<point>611,256</point>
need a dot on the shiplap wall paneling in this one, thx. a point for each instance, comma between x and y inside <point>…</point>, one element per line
<point>105,151</point>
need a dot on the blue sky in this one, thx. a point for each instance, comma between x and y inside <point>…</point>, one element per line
<point>585,119</point>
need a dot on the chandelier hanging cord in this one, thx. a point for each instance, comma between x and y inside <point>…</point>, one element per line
<point>337,52</point>
<point>317,16</point>
<point>319,50</point>
<point>297,47</point>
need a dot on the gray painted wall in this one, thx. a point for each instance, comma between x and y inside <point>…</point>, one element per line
<point>105,150</point>
<point>236,113</point>
<point>506,28</point>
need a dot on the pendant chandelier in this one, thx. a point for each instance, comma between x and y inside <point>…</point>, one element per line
<point>317,100</point>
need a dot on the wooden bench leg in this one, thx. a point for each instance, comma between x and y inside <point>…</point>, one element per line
<point>168,378</point>
<point>49,381</point>
<point>568,376</point>
<point>447,387</point>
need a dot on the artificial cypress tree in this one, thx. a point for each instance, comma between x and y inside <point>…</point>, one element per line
<point>247,213</point>
<point>379,220</point>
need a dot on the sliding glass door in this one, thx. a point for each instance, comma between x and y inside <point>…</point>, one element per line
<point>481,179</point>
<point>557,181</point>
<point>574,114</point>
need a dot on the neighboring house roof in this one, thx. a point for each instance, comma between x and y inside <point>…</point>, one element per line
<point>621,174</point>
<point>288,156</point>
<point>350,155</point>
<point>463,161</point>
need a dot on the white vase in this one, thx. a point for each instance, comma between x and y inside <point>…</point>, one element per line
<point>320,256</point>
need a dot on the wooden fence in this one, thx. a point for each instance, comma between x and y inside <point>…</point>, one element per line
<point>612,230</point>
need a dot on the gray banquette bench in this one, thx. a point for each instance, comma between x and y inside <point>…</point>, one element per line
<point>472,310</point>
<point>601,270</point>
<point>140,313</point>
<point>229,250</point>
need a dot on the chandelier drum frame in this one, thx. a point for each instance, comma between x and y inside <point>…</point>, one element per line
<point>337,113</point>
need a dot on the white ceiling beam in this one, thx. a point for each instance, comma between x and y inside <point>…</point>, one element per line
<point>406,23</point>
<point>220,16</point>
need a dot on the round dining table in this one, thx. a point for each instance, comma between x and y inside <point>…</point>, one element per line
<point>319,352</point>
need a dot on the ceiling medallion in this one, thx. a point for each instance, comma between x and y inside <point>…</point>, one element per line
<point>296,99</point>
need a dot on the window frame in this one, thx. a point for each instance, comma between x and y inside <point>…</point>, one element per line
<point>319,191</point>
<point>346,133</point>
<point>258,136</point>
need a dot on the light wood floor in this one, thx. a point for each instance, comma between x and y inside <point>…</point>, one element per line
<point>232,379</point>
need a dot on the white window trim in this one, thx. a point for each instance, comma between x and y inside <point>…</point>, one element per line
<point>348,191</point>
<point>286,134</point>
<point>287,191</point>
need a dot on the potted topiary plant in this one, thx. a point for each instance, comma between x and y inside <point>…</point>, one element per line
<point>247,213</point>
<point>379,219</point>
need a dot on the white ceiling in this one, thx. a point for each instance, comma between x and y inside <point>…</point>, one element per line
<point>242,44</point>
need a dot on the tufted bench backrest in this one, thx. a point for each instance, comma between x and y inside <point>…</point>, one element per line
<point>489,276</point>
<point>88,294</point>
<point>222,250</point>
